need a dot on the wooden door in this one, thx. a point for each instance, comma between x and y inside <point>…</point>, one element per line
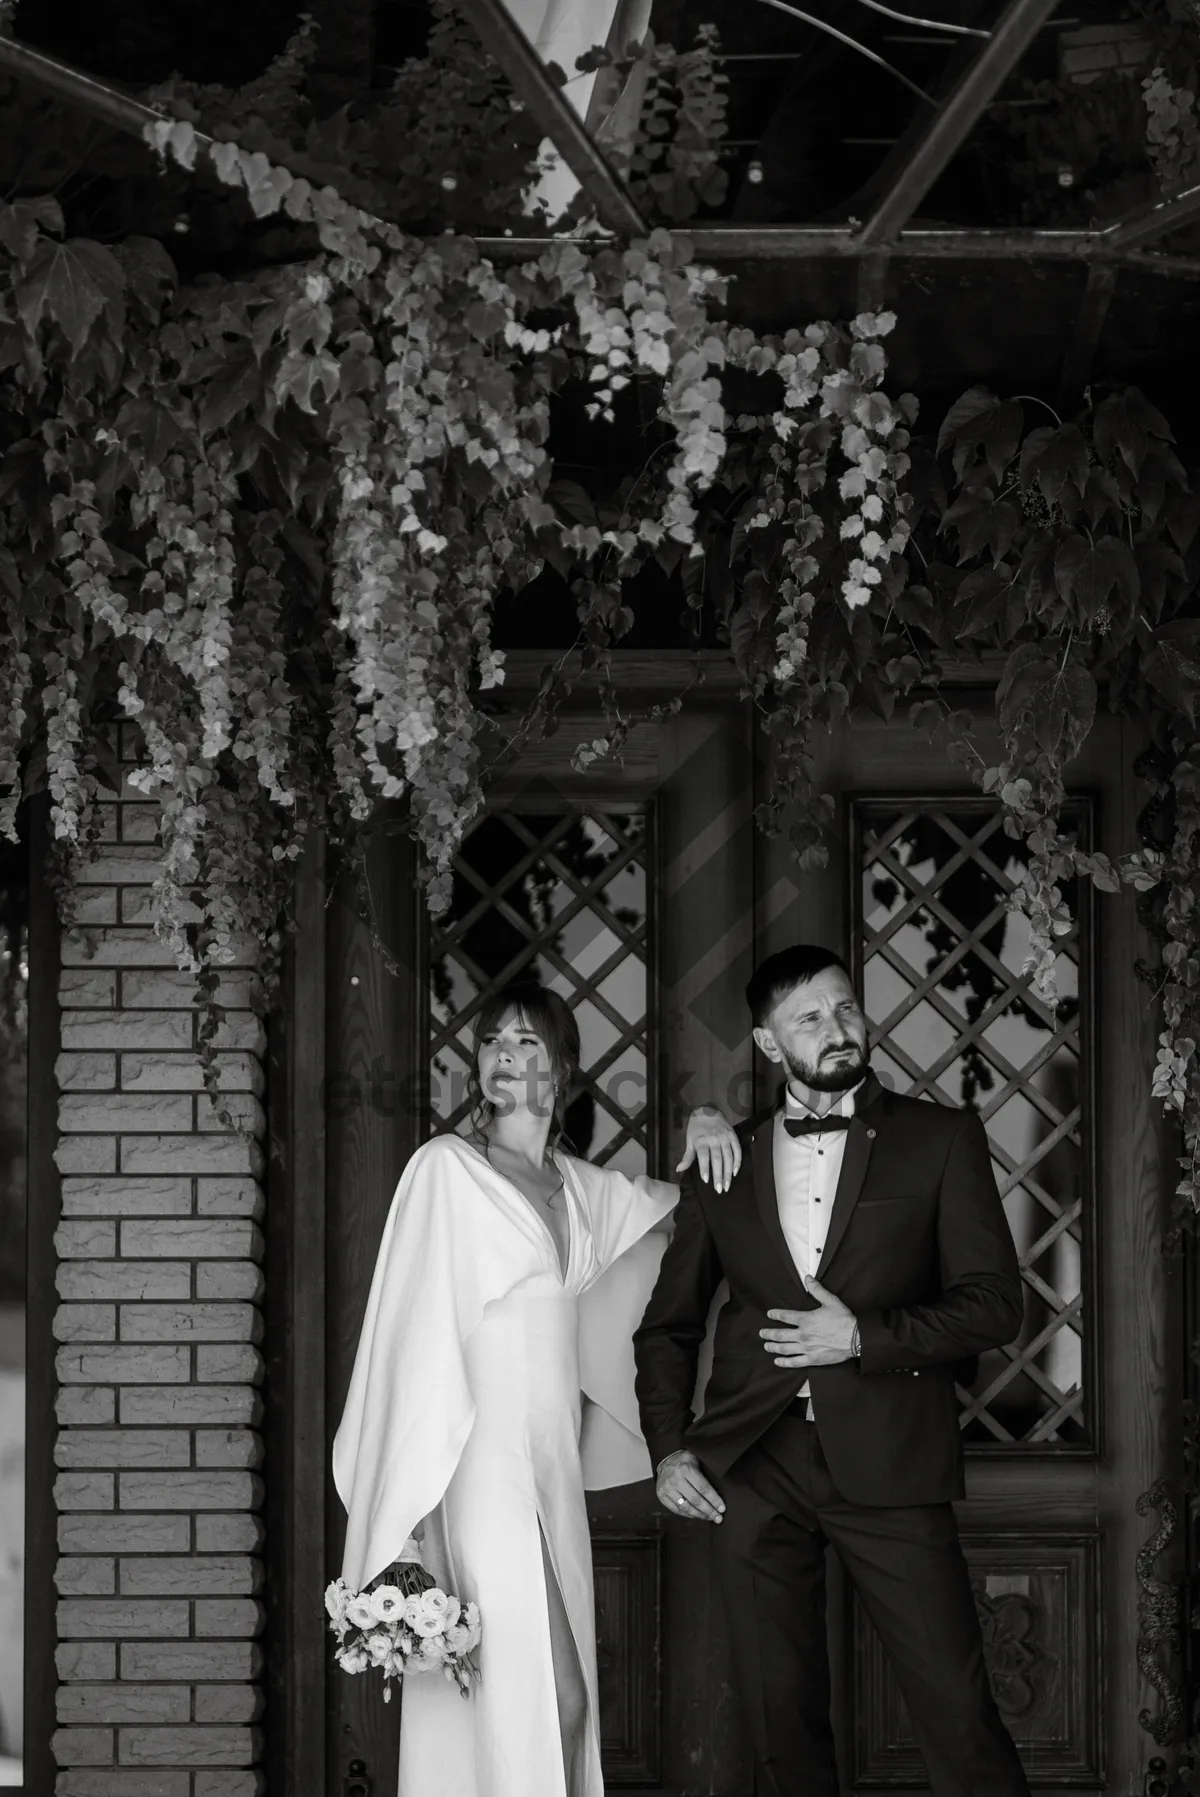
<point>645,894</point>
<point>1067,1428</point>
<point>631,892</point>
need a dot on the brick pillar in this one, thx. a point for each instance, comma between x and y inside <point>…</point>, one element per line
<point>159,1485</point>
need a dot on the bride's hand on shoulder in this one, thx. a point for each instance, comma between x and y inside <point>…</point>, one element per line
<point>712,1143</point>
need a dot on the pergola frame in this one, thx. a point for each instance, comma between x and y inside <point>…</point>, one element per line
<point>884,237</point>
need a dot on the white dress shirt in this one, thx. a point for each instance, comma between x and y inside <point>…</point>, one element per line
<point>807,1169</point>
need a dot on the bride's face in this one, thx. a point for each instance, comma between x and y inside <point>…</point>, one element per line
<point>515,1068</point>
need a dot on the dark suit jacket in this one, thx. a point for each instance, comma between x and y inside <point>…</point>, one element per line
<point>919,1249</point>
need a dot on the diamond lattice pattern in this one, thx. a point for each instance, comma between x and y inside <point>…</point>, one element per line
<point>560,895</point>
<point>953,1020</point>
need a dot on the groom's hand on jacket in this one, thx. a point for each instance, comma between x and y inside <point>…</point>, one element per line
<point>684,1491</point>
<point>804,1338</point>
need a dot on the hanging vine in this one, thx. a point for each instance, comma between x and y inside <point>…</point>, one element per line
<point>266,515</point>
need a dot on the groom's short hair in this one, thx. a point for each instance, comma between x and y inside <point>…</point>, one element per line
<point>780,974</point>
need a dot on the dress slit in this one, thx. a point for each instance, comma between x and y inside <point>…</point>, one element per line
<point>558,1613</point>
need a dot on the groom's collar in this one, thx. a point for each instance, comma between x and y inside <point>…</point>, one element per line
<point>843,1105</point>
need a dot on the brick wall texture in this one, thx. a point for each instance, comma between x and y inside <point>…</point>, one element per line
<point>159,1480</point>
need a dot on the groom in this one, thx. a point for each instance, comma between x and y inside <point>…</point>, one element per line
<point>868,1257</point>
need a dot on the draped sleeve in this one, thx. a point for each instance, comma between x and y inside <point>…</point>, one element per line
<point>620,1210</point>
<point>447,1251</point>
<point>623,1214</point>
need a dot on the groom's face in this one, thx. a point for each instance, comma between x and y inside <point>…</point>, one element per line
<point>818,1033</point>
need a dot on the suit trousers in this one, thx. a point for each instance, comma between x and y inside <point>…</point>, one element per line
<point>907,1566</point>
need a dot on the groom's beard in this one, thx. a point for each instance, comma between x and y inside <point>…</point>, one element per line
<point>828,1074</point>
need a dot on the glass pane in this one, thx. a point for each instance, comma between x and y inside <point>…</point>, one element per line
<point>954,1021</point>
<point>561,895</point>
<point>14,973</point>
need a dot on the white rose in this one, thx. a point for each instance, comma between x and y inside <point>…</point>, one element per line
<point>430,1617</point>
<point>336,1599</point>
<point>453,1613</point>
<point>387,1603</point>
<point>412,1609</point>
<point>435,1602</point>
<point>379,1646</point>
<point>352,1659</point>
<point>359,1611</point>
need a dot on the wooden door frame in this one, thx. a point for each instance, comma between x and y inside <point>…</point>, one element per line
<point>295,1640</point>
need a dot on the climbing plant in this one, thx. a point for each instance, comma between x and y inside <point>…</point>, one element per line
<point>264,514</point>
<point>265,517</point>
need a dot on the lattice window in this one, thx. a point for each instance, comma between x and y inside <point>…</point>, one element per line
<point>954,1020</point>
<point>560,894</point>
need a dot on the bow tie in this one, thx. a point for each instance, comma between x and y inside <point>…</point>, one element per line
<point>812,1126</point>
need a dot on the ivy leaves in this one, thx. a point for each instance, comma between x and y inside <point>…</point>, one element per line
<point>1090,571</point>
<point>71,284</point>
<point>978,420</point>
<point>1067,517</point>
<point>1171,664</point>
<point>1071,537</point>
<point>1045,703</point>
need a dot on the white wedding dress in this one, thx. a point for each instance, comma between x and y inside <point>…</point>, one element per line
<point>489,1389</point>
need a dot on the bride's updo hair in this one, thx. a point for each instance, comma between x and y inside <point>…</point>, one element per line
<point>550,1017</point>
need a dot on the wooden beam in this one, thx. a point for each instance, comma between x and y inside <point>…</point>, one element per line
<point>1149,223</point>
<point>872,281</point>
<point>1084,339</point>
<point>804,243</point>
<point>658,674</point>
<point>97,98</point>
<point>731,244</point>
<point>956,117</point>
<point>531,82</point>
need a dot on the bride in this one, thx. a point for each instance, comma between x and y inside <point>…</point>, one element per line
<point>493,1383</point>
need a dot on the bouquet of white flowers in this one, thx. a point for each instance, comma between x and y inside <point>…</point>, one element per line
<point>404,1623</point>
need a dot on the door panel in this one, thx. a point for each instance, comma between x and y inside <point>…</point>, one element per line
<point>646,895</point>
<point>1039,1599</point>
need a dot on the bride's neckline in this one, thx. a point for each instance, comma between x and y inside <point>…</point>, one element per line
<point>553,1155</point>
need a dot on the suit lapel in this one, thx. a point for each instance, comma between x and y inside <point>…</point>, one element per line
<point>860,1139</point>
<point>763,1160</point>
